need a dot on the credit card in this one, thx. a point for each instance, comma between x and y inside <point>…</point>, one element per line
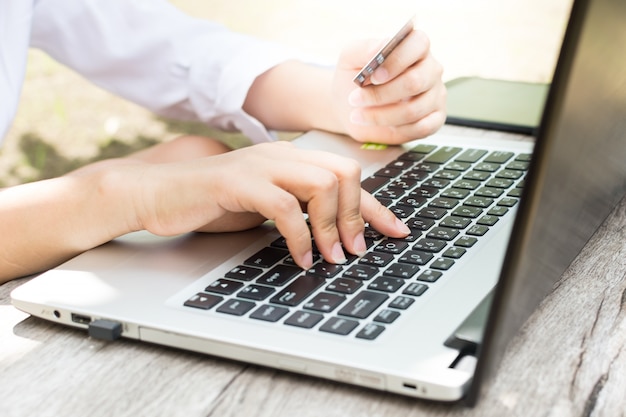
<point>365,73</point>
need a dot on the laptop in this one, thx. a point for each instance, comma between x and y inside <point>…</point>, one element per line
<point>494,224</point>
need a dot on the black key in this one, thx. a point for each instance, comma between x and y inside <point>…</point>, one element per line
<point>454,252</point>
<point>518,165</point>
<point>427,167</point>
<point>373,184</point>
<point>447,174</point>
<point>412,201</point>
<point>457,193</point>
<point>465,184</point>
<point>298,290</point>
<point>509,174</point>
<point>387,316</point>
<point>498,211</point>
<point>402,211</point>
<point>224,286</point>
<point>363,304</point>
<point>444,203</point>
<point>244,273</point>
<point>372,234</point>
<point>420,223</point>
<point>344,285</point>
<point>477,230</point>
<point>429,276</point>
<point>403,184</point>
<point>325,269</point>
<point>338,325</point>
<point>507,202</point>
<point>490,192</point>
<point>279,275</point>
<point>458,166</point>
<point>256,292</point>
<point>416,257</point>
<point>236,307</point>
<point>414,175</point>
<point>429,245</point>
<point>466,211</point>
<point>402,270</point>
<point>442,264</point>
<point>443,155</point>
<point>498,157</point>
<point>324,302</point>
<point>477,175</point>
<point>436,183</point>
<point>478,202</point>
<point>393,246</point>
<point>423,148</point>
<point>370,332</point>
<point>401,302</point>
<point>465,241</point>
<point>432,213</point>
<point>203,301</point>
<point>389,193</point>
<point>388,172</point>
<point>415,289</point>
<point>361,272</point>
<point>377,259</point>
<point>455,222</point>
<point>488,220</point>
<point>499,183</point>
<point>304,319</point>
<point>487,166</point>
<point>281,242</point>
<point>386,284</point>
<point>269,313</point>
<point>266,257</point>
<point>412,156</point>
<point>471,155</point>
<point>424,191</point>
<point>442,233</point>
<point>400,164</point>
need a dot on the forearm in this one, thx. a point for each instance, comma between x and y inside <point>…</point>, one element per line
<point>294,96</point>
<point>47,222</point>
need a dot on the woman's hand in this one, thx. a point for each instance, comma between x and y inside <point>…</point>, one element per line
<point>241,189</point>
<point>405,99</point>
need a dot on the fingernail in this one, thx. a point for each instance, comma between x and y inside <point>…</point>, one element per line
<point>380,76</point>
<point>356,98</point>
<point>306,261</point>
<point>337,253</point>
<point>402,227</point>
<point>359,245</point>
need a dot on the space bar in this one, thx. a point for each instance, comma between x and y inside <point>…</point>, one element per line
<point>301,288</point>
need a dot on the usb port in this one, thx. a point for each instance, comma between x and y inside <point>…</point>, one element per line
<point>79,318</point>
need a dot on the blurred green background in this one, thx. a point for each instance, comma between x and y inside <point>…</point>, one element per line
<point>64,122</point>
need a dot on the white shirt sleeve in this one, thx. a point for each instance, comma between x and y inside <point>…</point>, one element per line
<point>153,54</point>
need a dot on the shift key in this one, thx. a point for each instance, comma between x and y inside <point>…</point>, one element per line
<point>298,290</point>
<point>363,304</point>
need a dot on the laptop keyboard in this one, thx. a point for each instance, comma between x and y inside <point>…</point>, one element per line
<point>448,196</point>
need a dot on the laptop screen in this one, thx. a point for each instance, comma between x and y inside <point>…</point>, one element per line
<point>577,175</point>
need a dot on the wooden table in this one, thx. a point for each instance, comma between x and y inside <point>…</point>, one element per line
<point>569,360</point>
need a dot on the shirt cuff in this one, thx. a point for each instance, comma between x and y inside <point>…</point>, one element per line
<point>218,92</point>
